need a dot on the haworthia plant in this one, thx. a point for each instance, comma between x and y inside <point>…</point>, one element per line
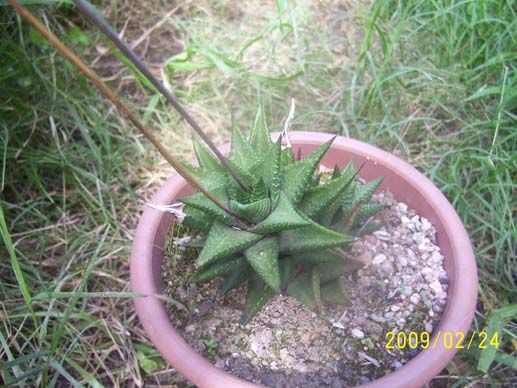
<point>295,227</point>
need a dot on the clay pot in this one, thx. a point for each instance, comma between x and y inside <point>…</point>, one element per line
<point>406,184</point>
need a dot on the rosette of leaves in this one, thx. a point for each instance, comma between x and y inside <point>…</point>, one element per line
<point>287,232</point>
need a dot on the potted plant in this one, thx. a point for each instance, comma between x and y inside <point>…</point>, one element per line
<point>281,232</point>
<point>265,228</point>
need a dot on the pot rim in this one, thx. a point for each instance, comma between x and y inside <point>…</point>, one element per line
<point>457,317</point>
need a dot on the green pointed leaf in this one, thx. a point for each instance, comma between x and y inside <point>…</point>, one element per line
<point>364,193</point>
<point>331,271</point>
<point>210,180</point>
<point>315,182</point>
<point>335,292</point>
<point>348,201</point>
<point>315,283</point>
<point>217,269</point>
<point>260,139</point>
<point>197,220</point>
<point>352,219</point>
<point>242,154</point>
<point>321,197</point>
<point>297,176</point>
<point>258,295</point>
<point>321,256</point>
<point>300,289</point>
<point>245,173</point>
<point>205,158</point>
<point>287,265</point>
<point>333,212</point>
<point>236,277</point>
<point>283,217</point>
<point>223,241</point>
<point>270,169</point>
<point>200,202</point>
<point>369,210</point>
<point>336,173</point>
<point>257,191</point>
<point>286,157</point>
<point>253,212</point>
<point>349,171</point>
<point>263,258</point>
<point>311,237</point>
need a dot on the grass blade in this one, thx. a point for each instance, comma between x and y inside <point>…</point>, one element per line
<point>496,321</point>
<point>22,285</point>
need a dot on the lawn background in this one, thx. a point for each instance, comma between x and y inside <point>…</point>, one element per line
<point>431,81</point>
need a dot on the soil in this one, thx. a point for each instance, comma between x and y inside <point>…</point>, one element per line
<point>401,286</point>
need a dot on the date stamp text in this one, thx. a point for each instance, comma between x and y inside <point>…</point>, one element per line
<point>449,340</point>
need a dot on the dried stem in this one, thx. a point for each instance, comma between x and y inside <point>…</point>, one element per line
<point>108,93</point>
<point>101,23</point>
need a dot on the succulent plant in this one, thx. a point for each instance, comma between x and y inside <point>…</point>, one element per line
<point>287,232</point>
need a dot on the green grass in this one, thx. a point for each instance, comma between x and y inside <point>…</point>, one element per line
<point>66,181</point>
<point>464,115</point>
<point>440,77</point>
<point>431,81</point>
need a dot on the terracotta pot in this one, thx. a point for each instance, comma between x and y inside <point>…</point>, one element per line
<point>406,184</point>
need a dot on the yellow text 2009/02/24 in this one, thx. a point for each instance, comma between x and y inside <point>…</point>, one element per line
<point>450,340</point>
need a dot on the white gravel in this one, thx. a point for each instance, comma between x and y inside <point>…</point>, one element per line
<point>402,286</point>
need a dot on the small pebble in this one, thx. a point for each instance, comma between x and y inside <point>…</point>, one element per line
<point>379,259</point>
<point>357,333</point>
<point>436,286</point>
<point>426,225</point>
<point>415,298</point>
<point>437,308</point>
<point>397,365</point>
<point>382,235</point>
<point>190,328</point>
<point>407,291</point>
<point>377,318</point>
<point>387,268</point>
<point>426,271</point>
<point>402,207</point>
